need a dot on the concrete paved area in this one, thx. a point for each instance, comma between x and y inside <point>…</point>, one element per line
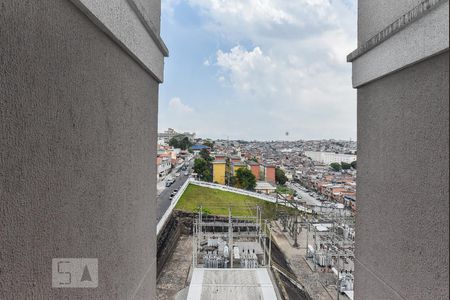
<point>236,284</point>
<point>175,274</point>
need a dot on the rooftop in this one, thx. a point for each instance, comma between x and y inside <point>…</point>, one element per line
<point>263,185</point>
<point>199,147</point>
<point>231,284</point>
<point>219,161</point>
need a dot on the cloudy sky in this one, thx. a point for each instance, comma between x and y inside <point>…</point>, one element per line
<point>256,69</point>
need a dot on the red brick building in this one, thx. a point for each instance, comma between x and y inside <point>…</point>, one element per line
<point>254,167</point>
<point>269,173</point>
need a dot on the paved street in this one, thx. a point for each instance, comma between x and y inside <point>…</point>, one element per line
<point>304,196</point>
<point>164,192</point>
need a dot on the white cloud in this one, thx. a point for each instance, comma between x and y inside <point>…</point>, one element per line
<point>296,67</point>
<point>246,70</point>
<point>286,64</point>
<point>176,105</point>
<point>250,11</point>
<point>168,7</point>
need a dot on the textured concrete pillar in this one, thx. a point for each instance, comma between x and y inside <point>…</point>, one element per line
<point>78,117</point>
<point>401,72</point>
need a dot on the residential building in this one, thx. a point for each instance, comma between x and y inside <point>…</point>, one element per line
<point>350,201</point>
<point>264,187</point>
<point>197,148</point>
<point>220,156</point>
<point>269,173</point>
<point>78,103</point>
<point>219,168</point>
<point>164,166</point>
<point>170,133</point>
<point>401,72</point>
<point>235,159</point>
<point>236,166</point>
<point>330,157</point>
<point>255,168</point>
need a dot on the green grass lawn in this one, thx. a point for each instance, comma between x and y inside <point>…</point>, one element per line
<point>216,202</point>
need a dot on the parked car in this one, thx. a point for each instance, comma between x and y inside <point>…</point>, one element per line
<point>170,181</point>
<point>186,173</point>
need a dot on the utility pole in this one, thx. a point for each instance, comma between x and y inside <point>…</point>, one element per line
<point>265,241</point>
<point>228,167</point>
<point>295,231</point>
<point>194,246</point>
<point>270,244</point>
<point>200,221</point>
<point>230,233</point>
<point>315,249</point>
<point>307,236</point>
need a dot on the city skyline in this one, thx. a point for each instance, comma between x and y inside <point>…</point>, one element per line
<point>262,68</point>
<point>162,130</point>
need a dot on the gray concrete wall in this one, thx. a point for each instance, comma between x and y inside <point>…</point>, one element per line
<point>403,174</point>
<point>407,42</point>
<point>152,10</point>
<point>78,118</point>
<point>374,15</point>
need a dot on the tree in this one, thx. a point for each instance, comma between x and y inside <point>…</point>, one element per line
<point>280,176</point>
<point>353,164</point>
<point>207,175</point>
<point>173,142</point>
<point>245,179</point>
<point>199,165</point>
<point>345,166</point>
<point>205,155</point>
<point>254,159</point>
<point>203,169</point>
<point>208,143</point>
<point>180,141</point>
<point>185,143</point>
<point>336,166</point>
<point>233,181</point>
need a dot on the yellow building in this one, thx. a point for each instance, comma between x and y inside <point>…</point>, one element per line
<point>238,165</point>
<point>219,171</point>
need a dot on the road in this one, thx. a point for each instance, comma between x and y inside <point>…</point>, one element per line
<point>320,207</point>
<point>304,196</point>
<point>163,201</point>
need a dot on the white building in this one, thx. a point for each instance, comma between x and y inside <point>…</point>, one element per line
<point>164,166</point>
<point>264,187</point>
<point>170,133</point>
<point>330,157</point>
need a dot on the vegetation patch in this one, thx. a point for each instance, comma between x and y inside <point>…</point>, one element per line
<point>282,189</point>
<point>217,202</point>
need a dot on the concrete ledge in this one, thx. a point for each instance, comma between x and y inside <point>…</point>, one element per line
<point>122,21</point>
<point>399,24</point>
<point>421,33</point>
<point>151,28</point>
